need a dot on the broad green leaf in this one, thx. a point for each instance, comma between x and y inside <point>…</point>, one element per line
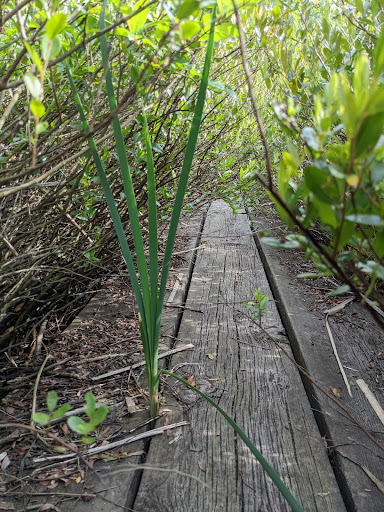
<point>52,400</point>
<point>276,11</point>
<point>347,106</point>
<point>189,29</point>
<point>224,6</point>
<point>33,85</point>
<point>287,169</point>
<point>187,8</point>
<point>137,21</point>
<point>78,425</point>
<point>37,108</point>
<point>54,47</point>
<point>377,174</point>
<point>41,418</point>
<point>42,127</point>
<point>325,212</point>
<point>369,133</point>
<point>98,415</point>
<point>56,24</point>
<point>319,184</point>
<point>284,60</point>
<point>311,138</point>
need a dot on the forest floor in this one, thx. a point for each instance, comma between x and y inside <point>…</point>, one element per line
<point>101,352</point>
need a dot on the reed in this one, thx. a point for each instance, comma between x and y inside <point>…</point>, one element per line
<point>149,292</point>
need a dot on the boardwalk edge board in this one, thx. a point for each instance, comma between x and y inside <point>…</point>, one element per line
<point>312,349</point>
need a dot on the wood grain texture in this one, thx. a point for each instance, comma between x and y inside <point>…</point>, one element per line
<point>205,467</point>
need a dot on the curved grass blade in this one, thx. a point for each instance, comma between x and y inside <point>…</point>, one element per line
<point>186,168</point>
<point>286,493</point>
<point>146,319</point>
<point>109,198</point>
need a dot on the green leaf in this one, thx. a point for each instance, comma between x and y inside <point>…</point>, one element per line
<point>90,404</point>
<point>340,290</point>
<point>41,418</point>
<point>276,11</point>
<point>33,85</point>
<point>87,439</point>
<point>378,55</point>
<point>137,21</point>
<point>98,415</point>
<point>78,425</point>
<point>377,174</point>
<point>187,8</point>
<point>189,29</point>
<point>54,47</point>
<point>318,183</point>
<point>369,133</point>
<point>56,24</point>
<point>361,80</point>
<point>41,127</point>
<point>37,108</point>
<point>365,218</point>
<point>311,138</point>
<point>378,243</point>
<point>61,411</point>
<point>372,268</point>
<point>52,400</point>
<point>35,56</point>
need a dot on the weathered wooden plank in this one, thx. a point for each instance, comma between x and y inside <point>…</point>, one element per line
<point>359,343</point>
<point>208,468</point>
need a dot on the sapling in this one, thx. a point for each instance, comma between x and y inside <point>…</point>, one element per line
<point>95,414</point>
<point>258,306</point>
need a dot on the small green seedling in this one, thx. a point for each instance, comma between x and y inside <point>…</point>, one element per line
<point>95,414</point>
<point>258,306</point>
<point>45,419</point>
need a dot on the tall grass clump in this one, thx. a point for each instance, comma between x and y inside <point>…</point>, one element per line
<point>148,291</point>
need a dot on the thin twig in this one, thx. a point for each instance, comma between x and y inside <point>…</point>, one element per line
<point>143,363</point>
<point>32,423</point>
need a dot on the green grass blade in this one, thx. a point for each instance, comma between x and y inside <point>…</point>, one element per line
<point>128,189</point>
<point>153,238</point>
<point>296,507</point>
<point>110,200</point>
<point>186,168</point>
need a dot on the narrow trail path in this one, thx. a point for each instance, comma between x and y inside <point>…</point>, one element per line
<point>248,376</point>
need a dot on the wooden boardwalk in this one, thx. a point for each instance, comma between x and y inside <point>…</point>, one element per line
<point>203,466</point>
<point>206,467</point>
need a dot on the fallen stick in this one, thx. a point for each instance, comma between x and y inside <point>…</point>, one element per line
<point>99,449</point>
<point>182,307</point>
<point>328,312</point>
<point>138,365</point>
<point>371,399</point>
